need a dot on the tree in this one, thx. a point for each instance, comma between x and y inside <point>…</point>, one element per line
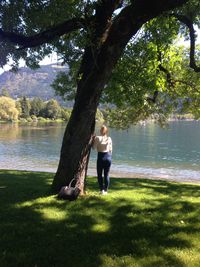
<point>8,110</point>
<point>36,106</point>
<point>65,113</point>
<point>4,92</point>
<point>25,107</point>
<point>91,37</point>
<point>52,109</point>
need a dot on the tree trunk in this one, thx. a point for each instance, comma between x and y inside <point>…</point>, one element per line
<point>95,72</point>
<point>77,141</point>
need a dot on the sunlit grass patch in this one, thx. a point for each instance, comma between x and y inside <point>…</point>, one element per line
<point>143,223</point>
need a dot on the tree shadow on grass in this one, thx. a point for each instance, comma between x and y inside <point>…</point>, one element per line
<point>16,186</point>
<point>97,231</point>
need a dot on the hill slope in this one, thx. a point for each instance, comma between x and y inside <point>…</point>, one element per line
<point>31,83</point>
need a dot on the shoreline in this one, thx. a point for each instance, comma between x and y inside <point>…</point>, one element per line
<point>120,174</point>
<point>117,174</point>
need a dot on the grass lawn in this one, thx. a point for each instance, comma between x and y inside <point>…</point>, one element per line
<point>143,223</point>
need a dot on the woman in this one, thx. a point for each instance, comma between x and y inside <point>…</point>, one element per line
<point>103,145</point>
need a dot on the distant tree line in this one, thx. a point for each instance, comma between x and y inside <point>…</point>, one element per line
<point>35,109</point>
<point>25,109</point>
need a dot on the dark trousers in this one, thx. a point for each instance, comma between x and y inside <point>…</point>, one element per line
<point>103,165</point>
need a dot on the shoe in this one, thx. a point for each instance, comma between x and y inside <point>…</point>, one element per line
<point>102,192</point>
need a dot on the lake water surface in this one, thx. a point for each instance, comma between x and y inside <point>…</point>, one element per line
<point>142,151</point>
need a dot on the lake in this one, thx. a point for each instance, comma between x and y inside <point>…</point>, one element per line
<point>142,151</point>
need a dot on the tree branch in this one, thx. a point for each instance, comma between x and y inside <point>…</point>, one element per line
<point>101,23</point>
<point>188,22</point>
<point>185,83</point>
<point>170,80</point>
<point>153,98</point>
<point>56,31</point>
<point>104,11</point>
<point>166,71</point>
<point>43,37</point>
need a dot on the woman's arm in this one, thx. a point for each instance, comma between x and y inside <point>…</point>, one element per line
<point>94,141</point>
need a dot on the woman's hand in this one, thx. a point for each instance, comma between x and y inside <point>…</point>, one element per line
<point>93,139</point>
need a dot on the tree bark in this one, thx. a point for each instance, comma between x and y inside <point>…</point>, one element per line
<point>95,72</point>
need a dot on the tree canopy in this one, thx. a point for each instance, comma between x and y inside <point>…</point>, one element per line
<point>8,110</point>
<point>152,76</point>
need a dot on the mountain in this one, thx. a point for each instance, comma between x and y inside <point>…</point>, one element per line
<point>31,83</point>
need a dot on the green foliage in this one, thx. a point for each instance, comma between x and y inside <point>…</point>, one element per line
<point>36,106</point>
<point>138,74</point>
<point>18,107</point>
<point>4,92</point>
<point>8,110</point>
<point>52,110</point>
<point>99,116</point>
<point>65,113</point>
<point>32,110</point>
<point>30,17</point>
<point>64,85</point>
<point>25,107</point>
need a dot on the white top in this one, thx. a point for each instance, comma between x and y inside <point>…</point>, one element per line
<point>103,143</point>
